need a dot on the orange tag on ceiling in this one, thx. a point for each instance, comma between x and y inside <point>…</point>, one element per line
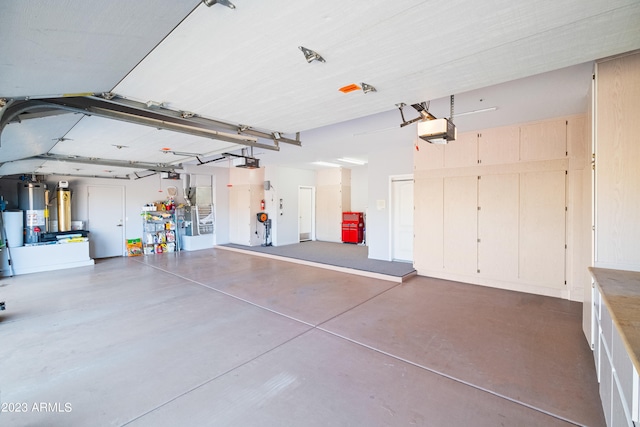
<point>349,88</point>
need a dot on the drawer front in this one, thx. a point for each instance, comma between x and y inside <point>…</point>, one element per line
<point>619,416</point>
<point>597,356</point>
<point>606,380</point>
<point>607,327</point>
<point>635,411</point>
<point>623,369</point>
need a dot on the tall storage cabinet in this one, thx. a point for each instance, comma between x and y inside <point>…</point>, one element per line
<point>610,322</point>
<point>333,196</point>
<point>501,208</point>
<point>159,232</point>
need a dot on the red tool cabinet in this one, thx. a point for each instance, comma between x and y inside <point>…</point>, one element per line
<point>352,227</point>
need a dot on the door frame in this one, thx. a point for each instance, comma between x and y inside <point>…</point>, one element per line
<point>313,210</point>
<point>392,178</point>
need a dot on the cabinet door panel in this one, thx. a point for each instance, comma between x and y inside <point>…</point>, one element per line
<point>461,224</point>
<point>462,152</point>
<point>499,145</point>
<point>617,154</point>
<point>542,228</point>
<point>428,156</point>
<point>606,383</point>
<point>428,224</point>
<point>543,141</point>
<point>329,213</point>
<point>498,226</point>
<point>623,368</point>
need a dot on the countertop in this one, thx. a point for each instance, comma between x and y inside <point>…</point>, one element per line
<point>621,294</point>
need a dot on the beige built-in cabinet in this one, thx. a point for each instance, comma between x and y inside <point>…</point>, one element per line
<point>496,207</point>
<point>615,117</point>
<point>333,196</point>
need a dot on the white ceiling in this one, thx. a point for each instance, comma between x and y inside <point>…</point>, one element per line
<point>243,66</point>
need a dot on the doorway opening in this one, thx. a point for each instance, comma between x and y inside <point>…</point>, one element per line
<point>306,214</point>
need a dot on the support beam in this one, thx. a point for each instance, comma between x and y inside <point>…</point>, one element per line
<point>114,107</point>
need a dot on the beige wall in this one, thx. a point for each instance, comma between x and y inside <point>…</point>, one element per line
<point>246,190</point>
<point>333,196</point>
<point>503,207</point>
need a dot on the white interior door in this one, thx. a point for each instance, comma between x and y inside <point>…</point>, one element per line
<point>402,219</point>
<point>105,221</point>
<point>240,215</point>
<point>305,213</point>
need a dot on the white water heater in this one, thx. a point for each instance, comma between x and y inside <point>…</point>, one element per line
<point>31,201</point>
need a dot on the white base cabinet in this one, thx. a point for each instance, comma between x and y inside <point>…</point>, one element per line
<point>618,377</point>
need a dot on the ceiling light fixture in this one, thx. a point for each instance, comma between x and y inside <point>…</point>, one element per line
<point>366,88</point>
<point>227,3</point>
<point>328,164</point>
<point>311,55</point>
<point>353,161</point>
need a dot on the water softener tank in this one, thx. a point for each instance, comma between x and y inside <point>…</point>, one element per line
<point>31,202</point>
<point>63,195</point>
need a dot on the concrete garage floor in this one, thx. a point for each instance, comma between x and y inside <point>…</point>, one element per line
<point>220,338</point>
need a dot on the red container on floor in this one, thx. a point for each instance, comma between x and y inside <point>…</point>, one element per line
<point>352,227</point>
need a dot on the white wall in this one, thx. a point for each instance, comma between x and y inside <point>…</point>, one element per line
<point>359,188</point>
<point>137,193</point>
<point>382,165</point>
<point>218,178</point>
<point>390,152</point>
<point>285,182</point>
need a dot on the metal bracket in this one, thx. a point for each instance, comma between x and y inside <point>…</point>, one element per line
<point>311,55</point>
<point>366,88</point>
<point>227,3</point>
<point>421,108</point>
